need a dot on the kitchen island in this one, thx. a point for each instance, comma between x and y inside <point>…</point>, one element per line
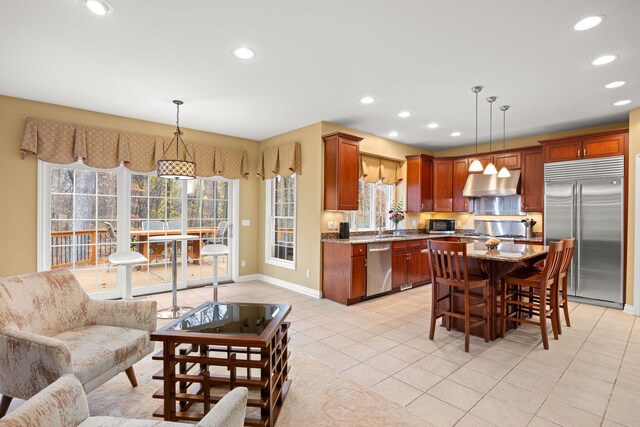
<point>344,265</point>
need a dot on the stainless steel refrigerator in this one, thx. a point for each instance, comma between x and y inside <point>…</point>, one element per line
<point>585,199</point>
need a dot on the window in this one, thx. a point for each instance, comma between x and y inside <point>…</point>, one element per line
<point>374,201</point>
<point>281,221</point>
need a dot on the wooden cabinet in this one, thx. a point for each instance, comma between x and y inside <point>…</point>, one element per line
<point>532,181</point>
<point>512,160</point>
<point>426,268</point>
<point>460,173</point>
<point>589,146</point>
<point>419,183</point>
<point>484,160</point>
<point>344,272</point>
<point>407,263</point>
<point>442,185</point>
<point>341,171</point>
<point>398,269</point>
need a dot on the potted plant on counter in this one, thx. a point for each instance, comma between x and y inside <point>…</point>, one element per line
<point>397,214</point>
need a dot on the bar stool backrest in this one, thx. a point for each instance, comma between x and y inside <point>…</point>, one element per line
<point>553,262</point>
<point>448,262</point>
<point>110,230</point>
<point>567,256</point>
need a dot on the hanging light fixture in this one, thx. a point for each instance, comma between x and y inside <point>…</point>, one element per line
<point>176,168</point>
<point>476,166</point>
<point>504,172</point>
<point>490,169</point>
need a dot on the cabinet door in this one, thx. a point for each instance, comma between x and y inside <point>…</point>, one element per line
<point>442,185</point>
<point>484,160</point>
<point>414,267</point>
<point>398,269</point>
<point>532,181</point>
<point>426,185</point>
<point>414,200</point>
<point>358,276</point>
<point>426,268</point>
<point>562,151</point>
<point>460,172</point>
<point>348,175</point>
<point>603,146</point>
<point>510,160</point>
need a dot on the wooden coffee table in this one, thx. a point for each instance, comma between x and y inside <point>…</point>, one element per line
<point>219,346</point>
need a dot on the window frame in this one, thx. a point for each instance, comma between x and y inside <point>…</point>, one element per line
<point>373,203</point>
<point>268,259</point>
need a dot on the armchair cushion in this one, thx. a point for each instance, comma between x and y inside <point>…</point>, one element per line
<point>96,349</point>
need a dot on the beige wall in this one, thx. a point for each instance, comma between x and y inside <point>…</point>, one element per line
<point>308,209</point>
<point>18,192</point>
<point>634,150</point>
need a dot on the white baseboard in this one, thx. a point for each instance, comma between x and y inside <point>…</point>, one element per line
<point>630,309</point>
<point>283,284</point>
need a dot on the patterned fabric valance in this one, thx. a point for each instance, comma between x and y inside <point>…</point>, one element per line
<point>282,160</point>
<point>65,143</point>
<point>374,169</point>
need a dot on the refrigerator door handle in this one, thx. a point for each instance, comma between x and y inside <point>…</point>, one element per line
<point>578,207</point>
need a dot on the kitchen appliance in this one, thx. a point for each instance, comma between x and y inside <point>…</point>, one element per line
<point>504,228</point>
<point>442,226</point>
<point>343,230</point>
<point>494,205</point>
<point>585,199</point>
<point>481,185</point>
<point>378,268</point>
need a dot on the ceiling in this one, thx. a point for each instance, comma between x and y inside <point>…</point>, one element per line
<point>316,59</point>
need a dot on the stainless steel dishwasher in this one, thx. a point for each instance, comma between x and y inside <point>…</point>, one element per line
<point>378,268</point>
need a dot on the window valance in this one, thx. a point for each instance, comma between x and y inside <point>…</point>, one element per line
<point>65,143</point>
<point>374,169</point>
<point>282,160</point>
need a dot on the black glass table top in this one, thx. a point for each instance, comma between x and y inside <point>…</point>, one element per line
<point>228,318</point>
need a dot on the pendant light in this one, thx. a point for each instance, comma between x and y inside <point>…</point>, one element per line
<point>490,169</point>
<point>504,172</point>
<point>175,168</point>
<point>476,166</point>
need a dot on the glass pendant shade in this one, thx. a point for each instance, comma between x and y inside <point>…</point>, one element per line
<point>504,173</point>
<point>490,169</point>
<point>476,166</point>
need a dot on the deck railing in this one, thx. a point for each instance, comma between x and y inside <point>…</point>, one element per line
<point>84,247</point>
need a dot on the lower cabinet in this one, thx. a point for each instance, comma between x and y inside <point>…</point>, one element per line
<point>344,272</point>
<point>407,263</point>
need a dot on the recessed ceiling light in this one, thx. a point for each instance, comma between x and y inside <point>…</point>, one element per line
<point>99,7</point>
<point>615,84</point>
<point>243,53</point>
<point>367,100</point>
<point>623,102</point>
<point>605,59</point>
<point>588,22</point>
<point>456,133</point>
<point>393,134</point>
<point>404,114</point>
<point>433,125</point>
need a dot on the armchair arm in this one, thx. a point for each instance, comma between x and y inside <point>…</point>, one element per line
<point>62,403</point>
<point>229,411</point>
<point>126,314</point>
<point>30,362</point>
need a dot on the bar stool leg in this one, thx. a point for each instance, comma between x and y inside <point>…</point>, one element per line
<point>543,319</point>
<point>127,282</point>
<point>434,309</point>
<point>215,278</point>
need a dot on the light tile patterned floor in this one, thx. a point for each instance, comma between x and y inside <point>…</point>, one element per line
<point>591,376</point>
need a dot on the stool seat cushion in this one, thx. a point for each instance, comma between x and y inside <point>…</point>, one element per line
<point>127,258</point>
<point>214,250</point>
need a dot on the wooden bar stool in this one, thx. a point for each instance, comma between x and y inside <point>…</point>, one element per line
<point>539,286</point>
<point>563,282</point>
<point>448,261</point>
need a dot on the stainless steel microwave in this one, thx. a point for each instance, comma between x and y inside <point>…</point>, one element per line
<point>442,226</point>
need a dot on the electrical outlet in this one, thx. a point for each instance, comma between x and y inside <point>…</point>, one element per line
<point>458,223</point>
<point>246,222</point>
<point>330,225</point>
<point>414,222</point>
<point>244,263</point>
<point>308,273</point>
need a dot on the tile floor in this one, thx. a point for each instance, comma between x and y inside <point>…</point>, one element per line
<point>591,376</point>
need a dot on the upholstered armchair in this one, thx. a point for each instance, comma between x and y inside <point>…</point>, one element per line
<point>64,404</point>
<point>50,327</point>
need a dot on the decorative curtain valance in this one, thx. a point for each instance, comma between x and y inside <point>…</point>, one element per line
<point>374,169</point>
<point>282,160</point>
<point>65,143</point>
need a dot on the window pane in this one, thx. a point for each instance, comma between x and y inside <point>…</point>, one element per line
<point>85,182</point>
<point>282,212</point>
<point>157,208</point>
<point>139,208</point>
<point>61,206</point>
<point>107,183</point>
<point>85,207</point>
<point>157,187</point>
<point>139,185</point>
<point>107,207</point>
<point>62,181</point>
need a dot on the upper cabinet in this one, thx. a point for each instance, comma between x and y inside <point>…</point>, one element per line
<point>442,185</point>
<point>460,173</point>
<point>532,181</point>
<point>589,146</point>
<point>419,183</point>
<point>511,159</point>
<point>341,171</point>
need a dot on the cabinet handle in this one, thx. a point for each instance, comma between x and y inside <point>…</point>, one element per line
<point>421,206</point>
<point>584,152</point>
<point>578,152</point>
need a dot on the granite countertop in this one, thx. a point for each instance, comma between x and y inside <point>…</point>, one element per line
<point>509,252</point>
<point>390,238</point>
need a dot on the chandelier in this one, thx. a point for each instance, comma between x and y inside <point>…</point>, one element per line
<point>175,168</point>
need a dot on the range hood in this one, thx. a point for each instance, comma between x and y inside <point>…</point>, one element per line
<point>481,185</point>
